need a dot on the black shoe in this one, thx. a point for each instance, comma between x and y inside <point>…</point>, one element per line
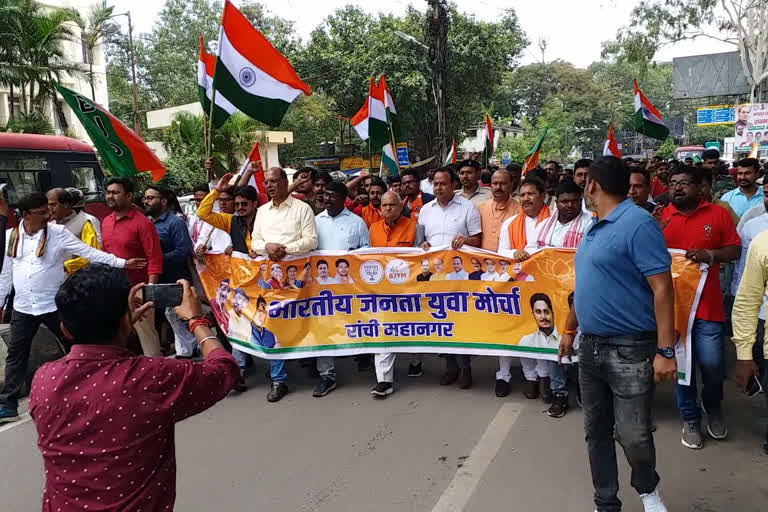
<point>559,405</point>
<point>465,378</point>
<point>415,370</point>
<point>502,388</point>
<point>364,363</point>
<point>382,389</point>
<point>277,392</point>
<point>8,415</point>
<point>325,386</point>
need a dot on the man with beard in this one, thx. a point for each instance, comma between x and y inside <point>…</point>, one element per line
<point>426,185</point>
<point>748,194</point>
<point>640,188</point>
<point>322,180</point>
<point>129,234</point>
<point>567,226</point>
<point>515,175</point>
<point>342,272</point>
<point>707,234</point>
<point>659,182</point>
<point>580,171</point>
<point>177,248</point>
<point>372,212</point>
<point>414,199</point>
<point>239,225</point>
<point>469,174</point>
<point>495,211</point>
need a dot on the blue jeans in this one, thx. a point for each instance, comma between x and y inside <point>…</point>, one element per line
<point>557,381</point>
<point>617,393</point>
<point>707,353</point>
<point>277,371</point>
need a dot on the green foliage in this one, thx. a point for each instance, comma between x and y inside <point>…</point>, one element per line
<point>667,149</point>
<point>698,135</point>
<point>312,124</point>
<point>30,122</point>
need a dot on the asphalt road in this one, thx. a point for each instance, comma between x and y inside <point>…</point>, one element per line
<point>425,448</point>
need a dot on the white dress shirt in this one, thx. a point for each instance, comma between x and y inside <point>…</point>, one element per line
<point>427,187</point>
<point>505,244</point>
<point>326,280</point>
<point>343,232</point>
<point>214,239</point>
<point>292,224</point>
<point>461,275</point>
<point>539,340</point>
<point>749,231</point>
<point>441,225</point>
<point>37,279</point>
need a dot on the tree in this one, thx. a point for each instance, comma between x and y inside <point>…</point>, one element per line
<point>740,23</point>
<point>93,31</point>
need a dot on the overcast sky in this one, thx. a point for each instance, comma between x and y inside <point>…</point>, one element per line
<point>575,29</point>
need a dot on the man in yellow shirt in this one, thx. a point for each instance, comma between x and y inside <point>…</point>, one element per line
<point>746,308</point>
<point>239,225</point>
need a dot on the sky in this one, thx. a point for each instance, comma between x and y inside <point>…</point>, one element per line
<point>574,29</point>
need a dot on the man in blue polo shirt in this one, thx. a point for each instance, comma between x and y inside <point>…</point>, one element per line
<point>628,333</point>
<point>749,194</point>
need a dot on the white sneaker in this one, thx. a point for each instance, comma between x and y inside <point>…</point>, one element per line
<point>652,502</point>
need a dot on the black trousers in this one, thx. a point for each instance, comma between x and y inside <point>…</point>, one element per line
<point>23,330</point>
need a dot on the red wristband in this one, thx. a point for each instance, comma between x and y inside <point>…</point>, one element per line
<point>196,322</point>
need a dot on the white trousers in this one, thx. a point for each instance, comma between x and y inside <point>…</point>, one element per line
<point>385,366</point>
<point>533,369</point>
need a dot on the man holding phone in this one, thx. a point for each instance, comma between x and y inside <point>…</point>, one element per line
<point>177,248</point>
<point>751,365</point>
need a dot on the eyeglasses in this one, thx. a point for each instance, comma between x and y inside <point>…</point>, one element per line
<point>149,198</point>
<point>241,203</point>
<point>681,183</point>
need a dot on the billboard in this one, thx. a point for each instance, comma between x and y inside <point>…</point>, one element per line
<point>717,114</point>
<point>705,76</point>
<point>751,126</point>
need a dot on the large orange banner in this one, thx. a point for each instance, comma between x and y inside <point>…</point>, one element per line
<point>468,301</point>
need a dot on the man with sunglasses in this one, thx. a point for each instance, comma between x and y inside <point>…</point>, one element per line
<point>708,235</point>
<point>239,225</point>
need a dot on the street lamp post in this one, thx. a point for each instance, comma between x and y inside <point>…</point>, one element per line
<point>134,88</point>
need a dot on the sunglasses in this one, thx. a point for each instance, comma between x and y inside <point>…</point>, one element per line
<point>241,203</point>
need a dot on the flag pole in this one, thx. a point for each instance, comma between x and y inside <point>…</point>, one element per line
<point>370,157</point>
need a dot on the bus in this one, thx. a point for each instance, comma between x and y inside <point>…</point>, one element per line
<point>37,163</point>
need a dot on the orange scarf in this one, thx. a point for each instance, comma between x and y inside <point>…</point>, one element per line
<point>517,238</point>
<point>415,206</point>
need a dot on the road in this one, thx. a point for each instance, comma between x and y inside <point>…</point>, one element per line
<point>425,448</point>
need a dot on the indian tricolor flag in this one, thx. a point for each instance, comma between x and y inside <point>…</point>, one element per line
<point>647,118</point>
<point>532,160</point>
<point>611,148</point>
<point>389,161</point>
<point>205,65</point>
<point>251,73</point>
<point>370,122</point>
<point>451,158</point>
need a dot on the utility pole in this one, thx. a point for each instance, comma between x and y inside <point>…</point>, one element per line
<point>437,30</point>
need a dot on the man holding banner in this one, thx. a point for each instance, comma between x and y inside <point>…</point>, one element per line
<point>628,334</point>
<point>454,221</point>
<point>394,230</point>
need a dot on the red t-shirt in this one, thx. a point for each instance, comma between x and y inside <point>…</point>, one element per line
<point>657,187</point>
<point>709,226</point>
<point>133,236</point>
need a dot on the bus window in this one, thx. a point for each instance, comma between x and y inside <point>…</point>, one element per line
<point>21,183</point>
<point>86,179</point>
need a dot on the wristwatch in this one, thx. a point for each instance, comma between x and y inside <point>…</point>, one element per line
<point>666,352</point>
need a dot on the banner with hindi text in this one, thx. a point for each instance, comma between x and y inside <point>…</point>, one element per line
<point>467,301</point>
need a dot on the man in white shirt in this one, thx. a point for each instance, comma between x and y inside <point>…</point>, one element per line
<point>566,227</point>
<point>458,274</point>
<point>194,223</point>
<point>282,226</point>
<point>426,185</point>
<point>517,231</point>
<point>749,231</point>
<point>323,277</point>
<point>209,238</point>
<point>35,253</point>
<point>451,221</point>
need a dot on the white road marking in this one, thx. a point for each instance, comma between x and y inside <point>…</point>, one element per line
<point>465,481</point>
<point>24,419</point>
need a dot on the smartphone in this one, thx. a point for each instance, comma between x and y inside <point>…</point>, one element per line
<point>754,386</point>
<point>163,295</point>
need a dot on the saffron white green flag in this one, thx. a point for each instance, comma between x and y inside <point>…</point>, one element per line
<point>256,78</point>
<point>388,161</point>
<point>205,66</point>
<point>647,118</point>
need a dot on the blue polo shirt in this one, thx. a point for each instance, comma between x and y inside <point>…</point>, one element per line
<point>739,202</point>
<point>616,255</point>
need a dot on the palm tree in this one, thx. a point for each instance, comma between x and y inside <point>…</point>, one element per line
<point>94,30</point>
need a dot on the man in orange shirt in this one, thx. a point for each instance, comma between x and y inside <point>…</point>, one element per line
<point>394,230</point>
<point>372,212</point>
<point>494,212</point>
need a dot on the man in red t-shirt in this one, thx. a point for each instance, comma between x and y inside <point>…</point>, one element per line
<point>127,233</point>
<point>659,182</point>
<point>707,233</point>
